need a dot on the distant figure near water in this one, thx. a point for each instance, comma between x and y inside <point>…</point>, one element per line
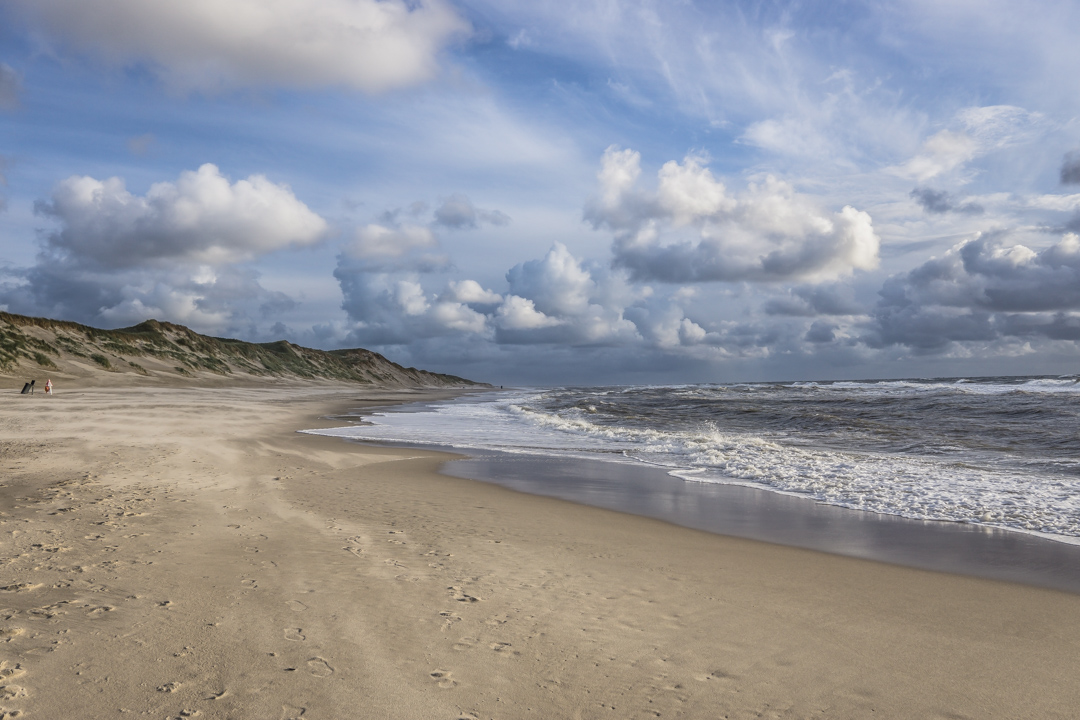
<point>48,386</point>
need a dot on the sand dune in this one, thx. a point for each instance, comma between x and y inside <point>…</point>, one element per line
<point>182,552</point>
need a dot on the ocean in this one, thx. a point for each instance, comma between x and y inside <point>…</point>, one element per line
<point>997,452</point>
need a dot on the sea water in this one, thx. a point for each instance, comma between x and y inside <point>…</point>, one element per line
<point>1001,452</point>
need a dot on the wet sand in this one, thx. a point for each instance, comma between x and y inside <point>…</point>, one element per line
<point>758,514</point>
<point>173,552</point>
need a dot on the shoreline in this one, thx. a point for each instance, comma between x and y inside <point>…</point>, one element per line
<point>176,551</point>
<point>766,515</point>
<point>784,519</point>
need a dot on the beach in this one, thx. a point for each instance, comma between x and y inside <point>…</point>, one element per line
<point>185,552</point>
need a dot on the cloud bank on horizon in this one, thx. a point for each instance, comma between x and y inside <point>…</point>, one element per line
<point>525,192</point>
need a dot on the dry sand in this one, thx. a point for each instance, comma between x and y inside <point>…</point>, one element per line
<point>171,552</point>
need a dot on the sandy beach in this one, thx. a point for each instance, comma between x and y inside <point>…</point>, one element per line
<point>181,552</point>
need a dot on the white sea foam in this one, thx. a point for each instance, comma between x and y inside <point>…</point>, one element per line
<point>933,486</point>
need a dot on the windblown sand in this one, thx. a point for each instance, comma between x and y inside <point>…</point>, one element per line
<point>171,552</point>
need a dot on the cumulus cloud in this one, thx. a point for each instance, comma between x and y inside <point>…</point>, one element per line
<point>471,292</point>
<point>369,45</point>
<point>458,212</point>
<point>939,202</point>
<point>10,86</point>
<point>175,253</point>
<point>218,300</point>
<point>382,273</point>
<point>201,218</point>
<point>555,299</point>
<point>812,302</point>
<point>983,289</point>
<point>395,309</point>
<point>690,229</point>
<point>379,241</point>
<point>821,332</point>
<point>976,131</point>
<point>1070,168</point>
<point>558,296</point>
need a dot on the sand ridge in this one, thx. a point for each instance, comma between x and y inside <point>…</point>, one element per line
<point>175,552</point>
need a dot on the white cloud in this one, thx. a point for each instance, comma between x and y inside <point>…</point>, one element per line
<point>1058,203</point>
<point>691,230</point>
<point>174,253</point>
<point>458,212</point>
<point>379,241</point>
<point>369,45</point>
<point>982,290</point>
<point>557,283</point>
<point>227,300</point>
<point>980,130</point>
<point>471,292</point>
<point>201,218</point>
<point>551,300</point>
<point>518,313</point>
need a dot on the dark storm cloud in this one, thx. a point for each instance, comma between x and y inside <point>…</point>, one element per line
<point>939,202</point>
<point>1070,168</point>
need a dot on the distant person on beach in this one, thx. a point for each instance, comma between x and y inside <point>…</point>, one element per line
<point>48,386</point>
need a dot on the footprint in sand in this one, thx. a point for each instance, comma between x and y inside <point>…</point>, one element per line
<point>465,643</point>
<point>296,606</point>
<point>296,634</point>
<point>9,671</point>
<point>319,667</point>
<point>443,678</point>
<point>291,712</point>
<point>502,647</point>
<point>11,692</point>
<point>462,596</point>
<point>20,587</point>
<point>8,634</point>
<point>169,687</point>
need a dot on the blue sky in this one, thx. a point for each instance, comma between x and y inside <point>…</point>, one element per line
<point>528,193</point>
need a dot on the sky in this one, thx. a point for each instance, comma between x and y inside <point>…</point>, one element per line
<point>601,192</point>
